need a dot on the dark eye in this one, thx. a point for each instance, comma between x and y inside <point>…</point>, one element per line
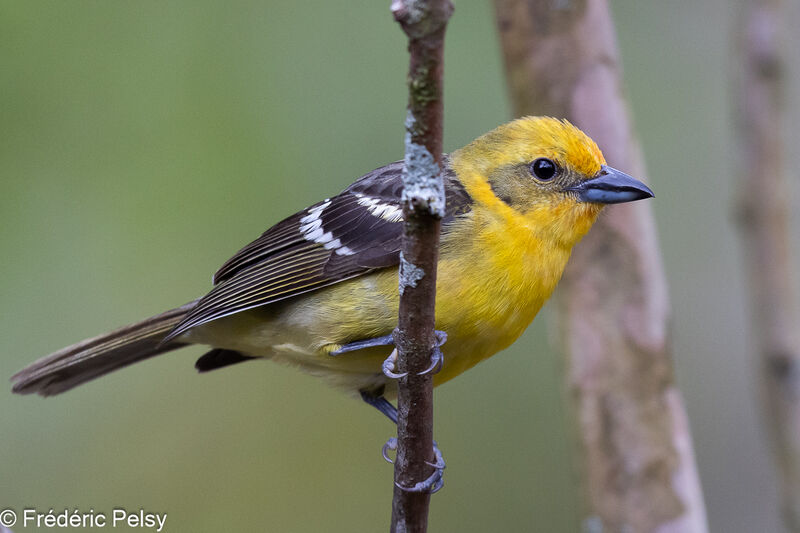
<point>544,169</point>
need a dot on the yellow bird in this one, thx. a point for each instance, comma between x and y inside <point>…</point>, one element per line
<point>319,290</point>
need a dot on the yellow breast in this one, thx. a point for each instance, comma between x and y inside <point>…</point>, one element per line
<point>489,292</point>
<point>494,275</point>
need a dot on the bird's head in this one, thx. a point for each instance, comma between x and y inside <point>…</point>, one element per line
<point>545,173</point>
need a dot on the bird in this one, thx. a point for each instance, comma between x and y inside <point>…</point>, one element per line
<point>319,289</point>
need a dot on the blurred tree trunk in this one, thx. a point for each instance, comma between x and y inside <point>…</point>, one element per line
<point>764,222</point>
<point>636,456</point>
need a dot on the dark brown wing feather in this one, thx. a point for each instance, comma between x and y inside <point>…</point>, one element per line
<point>339,238</point>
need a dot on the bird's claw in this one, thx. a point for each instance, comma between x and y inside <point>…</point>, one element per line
<point>391,444</point>
<point>437,359</point>
<point>441,337</point>
<point>435,481</point>
<point>390,365</point>
<point>437,453</point>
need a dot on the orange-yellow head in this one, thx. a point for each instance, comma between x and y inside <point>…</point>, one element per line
<point>546,174</point>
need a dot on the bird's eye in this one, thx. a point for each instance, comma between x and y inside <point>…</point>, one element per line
<point>544,169</point>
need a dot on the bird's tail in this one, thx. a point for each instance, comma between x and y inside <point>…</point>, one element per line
<point>92,358</point>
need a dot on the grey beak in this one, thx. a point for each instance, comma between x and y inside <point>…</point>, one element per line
<point>611,186</point>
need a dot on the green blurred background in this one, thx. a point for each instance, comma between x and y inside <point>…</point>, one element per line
<point>142,143</point>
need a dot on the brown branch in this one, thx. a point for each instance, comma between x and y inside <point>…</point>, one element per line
<point>424,23</point>
<point>636,453</point>
<point>764,222</point>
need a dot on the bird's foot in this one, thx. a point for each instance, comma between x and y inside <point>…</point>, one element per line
<point>434,482</point>
<point>437,359</point>
<point>390,365</point>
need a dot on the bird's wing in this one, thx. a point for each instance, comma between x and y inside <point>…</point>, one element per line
<point>337,239</point>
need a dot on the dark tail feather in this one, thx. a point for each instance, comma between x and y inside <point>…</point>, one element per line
<point>218,358</point>
<point>92,358</point>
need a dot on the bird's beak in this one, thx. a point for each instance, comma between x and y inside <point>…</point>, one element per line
<point>610,186</point>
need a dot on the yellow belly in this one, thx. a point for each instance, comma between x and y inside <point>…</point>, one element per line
<point>486,296</point>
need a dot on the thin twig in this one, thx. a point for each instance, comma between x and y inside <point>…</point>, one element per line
<point>424,23</point>
<point>637,460</point>
<point>763,215</point>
